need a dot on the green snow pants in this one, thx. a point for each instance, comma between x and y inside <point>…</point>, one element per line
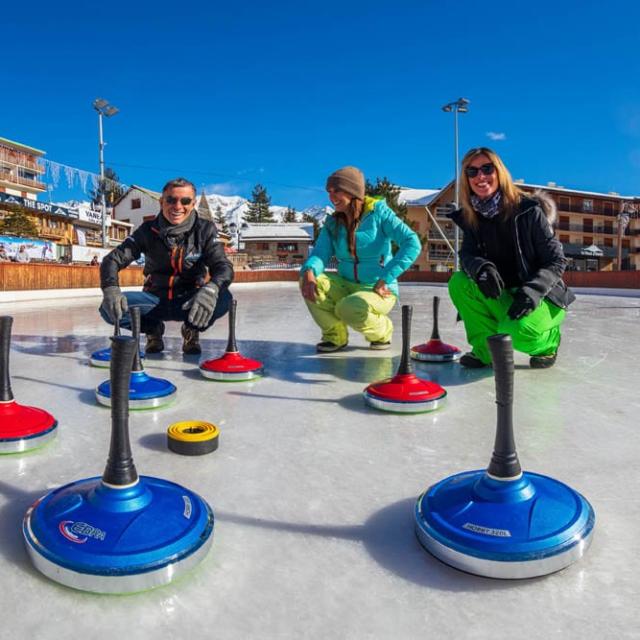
<point>341,303</point>
<point>536,334</point>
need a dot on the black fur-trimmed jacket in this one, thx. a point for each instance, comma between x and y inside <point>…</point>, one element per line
<point>541,260</point>
<point>172,268</point>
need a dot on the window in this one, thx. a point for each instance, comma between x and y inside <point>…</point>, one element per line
<point>607,208</point>
<point>608,242</point>
<point>284,246</point>
<point>136,203</point>
<point>587,205</point>
<point>564,203</point>
<point>564,238</point>
<point>263,246</point>
<point>588,241</point>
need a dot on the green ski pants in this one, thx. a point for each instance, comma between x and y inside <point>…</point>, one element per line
<point>536,334</point>
<point>341,303</point>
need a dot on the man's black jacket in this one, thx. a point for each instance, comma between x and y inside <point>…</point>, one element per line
<point>173,266</point>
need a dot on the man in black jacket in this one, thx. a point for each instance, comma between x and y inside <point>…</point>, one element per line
<point>180,250</point>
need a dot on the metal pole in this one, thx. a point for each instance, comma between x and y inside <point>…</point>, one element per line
<point>456,237</point>
<point>103,198</point>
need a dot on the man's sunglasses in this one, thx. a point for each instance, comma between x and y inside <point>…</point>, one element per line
<point>487,169</point>
<point>173,200</point>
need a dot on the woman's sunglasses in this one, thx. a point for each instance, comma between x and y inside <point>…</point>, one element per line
<point>487,169</point>
<point>173,200</point>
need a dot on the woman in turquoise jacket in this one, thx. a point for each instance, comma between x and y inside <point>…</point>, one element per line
<point>363,292</point>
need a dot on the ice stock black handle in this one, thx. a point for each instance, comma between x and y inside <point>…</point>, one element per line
<point>120,469</point>
<point>134,314</point>
<point>504,460</point>
<point>405,362</point>
<point>435,334</point>
<point>231,343</point>
<point>6,394</point>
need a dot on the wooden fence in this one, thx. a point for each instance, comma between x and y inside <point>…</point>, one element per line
<point>32,276</point>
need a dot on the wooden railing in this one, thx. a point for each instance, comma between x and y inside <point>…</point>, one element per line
<point>32,276</point>
<point>50,275</point>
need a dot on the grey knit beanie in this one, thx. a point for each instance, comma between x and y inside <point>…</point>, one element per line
<point>348,179</point>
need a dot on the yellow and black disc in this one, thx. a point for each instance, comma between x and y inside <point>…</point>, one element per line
<point>192,437</point>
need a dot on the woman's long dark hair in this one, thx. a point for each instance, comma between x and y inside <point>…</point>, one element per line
<point>356,207</point>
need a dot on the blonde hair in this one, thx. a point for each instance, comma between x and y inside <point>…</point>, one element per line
<point>511,195</point>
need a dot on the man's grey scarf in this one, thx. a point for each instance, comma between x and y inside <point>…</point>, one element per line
<point>172,233</point>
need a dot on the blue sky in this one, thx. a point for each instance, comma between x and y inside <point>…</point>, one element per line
<point>231,94</point>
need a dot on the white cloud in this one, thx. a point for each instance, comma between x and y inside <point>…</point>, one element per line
<point>494,135</point>
<point>226,188</point>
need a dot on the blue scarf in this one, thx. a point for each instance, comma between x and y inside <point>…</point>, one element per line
<point>488,208</point>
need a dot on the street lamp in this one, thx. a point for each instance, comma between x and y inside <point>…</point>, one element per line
<point>459,106</point>
<point>104,109</point>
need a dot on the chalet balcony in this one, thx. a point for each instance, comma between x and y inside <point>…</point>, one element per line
<point>20,160</point>
<point>9,176</point>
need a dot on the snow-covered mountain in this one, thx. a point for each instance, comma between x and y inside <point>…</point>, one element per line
<point>234,209</point>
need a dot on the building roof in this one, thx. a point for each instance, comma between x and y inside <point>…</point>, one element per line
<point>22,147</point>
<point>553,187</point>
<point>301,231</point>
<point>417,197</point>
<point>153,194</point>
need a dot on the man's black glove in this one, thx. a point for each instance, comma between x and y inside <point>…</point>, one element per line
<point>114,303</point>
<point>202,306</point>
<point>521,306</point>
<point>489,281</point>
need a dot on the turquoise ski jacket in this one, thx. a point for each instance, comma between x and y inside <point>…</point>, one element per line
<point>373,260</point>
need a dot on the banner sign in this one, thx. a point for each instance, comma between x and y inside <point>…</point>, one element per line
<point>11,246</point>
<point>39,206</point>
<point>89,215</point>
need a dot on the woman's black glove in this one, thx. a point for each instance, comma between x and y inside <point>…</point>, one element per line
<point>521,306</point>
<point>489,281</point>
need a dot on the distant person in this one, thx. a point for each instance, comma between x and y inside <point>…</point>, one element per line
<point>180,250</point>
<point>94,262</point>
<point>365,289</point>
<point>46,248</point>
<point>22,255</point>
<point>512,264</point>
<point>4,256</point>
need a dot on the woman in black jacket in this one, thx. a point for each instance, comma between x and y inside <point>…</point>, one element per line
<point>512,262</point>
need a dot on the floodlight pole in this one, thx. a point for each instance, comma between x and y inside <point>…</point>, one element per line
<point>103,108</point>
<point>461,106</point>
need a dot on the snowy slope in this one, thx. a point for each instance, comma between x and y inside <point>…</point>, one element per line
<point>234,209</point>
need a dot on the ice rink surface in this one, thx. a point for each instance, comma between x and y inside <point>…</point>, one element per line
<point>313,492</point>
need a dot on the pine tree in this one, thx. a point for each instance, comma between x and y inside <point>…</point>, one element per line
<point>112,189</point>
<point>258,210</point>
<point>289,215</point>
<point>316,225</point>
<point>18,222</point>
<point>391,193</point>
<point>221,221</point>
